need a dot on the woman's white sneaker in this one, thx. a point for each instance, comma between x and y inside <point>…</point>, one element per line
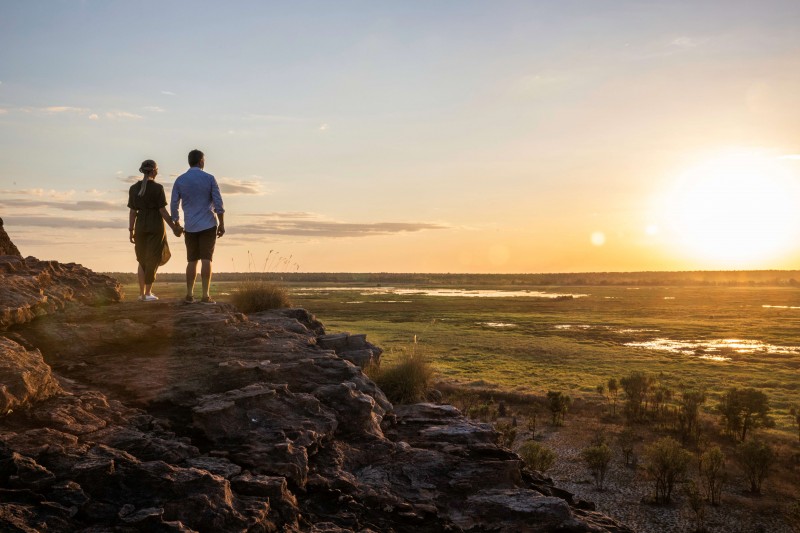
<point>150,297</point>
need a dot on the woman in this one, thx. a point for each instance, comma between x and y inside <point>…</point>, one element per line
<point>147,202</point>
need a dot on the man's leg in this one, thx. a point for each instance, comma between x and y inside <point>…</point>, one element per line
<point>205,275</point>
<point>191,275</point>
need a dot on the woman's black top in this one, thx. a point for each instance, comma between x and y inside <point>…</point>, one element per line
<point>147,206</point>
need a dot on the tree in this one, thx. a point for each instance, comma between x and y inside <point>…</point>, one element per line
<point>613,392</point>
<point>743,410</point>
<point>537,457</point>
<point>756,458</point>
<point>666,463</point>
<point>713,473</point>
<point>689,413</point>
<point>698,506</point>
<point>597,459</point>
<point>795,412</point>
<point>533,414</point>
<point>636,386</point>
<point>558,403</point>
<point>627,439</point>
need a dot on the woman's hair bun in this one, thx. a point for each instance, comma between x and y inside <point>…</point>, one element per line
<point>147,166</point>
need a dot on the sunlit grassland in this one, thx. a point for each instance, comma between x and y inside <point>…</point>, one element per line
<point>537,353</point>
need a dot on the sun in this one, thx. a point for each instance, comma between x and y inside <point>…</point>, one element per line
<point>736,210</point>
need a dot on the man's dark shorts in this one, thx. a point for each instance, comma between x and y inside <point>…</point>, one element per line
<point>200,244</point>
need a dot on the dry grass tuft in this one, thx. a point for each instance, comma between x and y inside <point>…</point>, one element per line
<point>405,381</point>
<point>252,296</point>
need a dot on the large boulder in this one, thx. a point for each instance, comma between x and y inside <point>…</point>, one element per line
<point>24,377</point>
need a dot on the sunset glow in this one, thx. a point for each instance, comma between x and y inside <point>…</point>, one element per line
<point>739,208</point>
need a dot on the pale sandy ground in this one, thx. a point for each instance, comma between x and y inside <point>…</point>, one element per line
<point>625,487</point>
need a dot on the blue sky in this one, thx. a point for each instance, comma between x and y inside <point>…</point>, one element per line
<point>396,136</point>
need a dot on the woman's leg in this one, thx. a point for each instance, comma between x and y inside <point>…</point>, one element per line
<point>140,275</point>
<point>149,277</point>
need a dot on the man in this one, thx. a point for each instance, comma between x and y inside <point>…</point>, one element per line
<point>198,193</point>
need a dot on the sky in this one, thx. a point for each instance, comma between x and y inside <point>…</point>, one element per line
<point>413,136</point>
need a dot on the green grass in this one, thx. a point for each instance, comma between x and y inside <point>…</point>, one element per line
<point>535,356</point>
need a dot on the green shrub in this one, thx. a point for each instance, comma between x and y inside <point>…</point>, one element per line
<point>537,457</point>
<point>756,457</point>
<point>406,381</point>
<point>252,296</point>
<point>667,463</point>
<point>597,458</point>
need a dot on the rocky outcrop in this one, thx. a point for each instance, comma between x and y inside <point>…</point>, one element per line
<point>189,417</point>
<point>30,288</point>
<point>6,246</point>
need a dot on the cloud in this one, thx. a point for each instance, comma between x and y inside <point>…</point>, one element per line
<point>123,115</point>
<point>63,109</point>
<point>3,111</point>
<point>305,226</point>
<point>790,156</point>
<point>63,222</point>
<point>323,127</point>
<point>275,118</point>
<point>129,179</point>
<point>168,93</point>
<point>154,109</point>
<point>52,193</point>
<point>686,43</point>
<point>93,116</point>
<point>232,186</point>
<point>80,205</point>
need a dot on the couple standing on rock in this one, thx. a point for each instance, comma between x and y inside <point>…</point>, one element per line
<point>198,193</point>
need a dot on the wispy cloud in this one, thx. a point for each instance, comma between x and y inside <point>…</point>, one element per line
<point>686,43</point>
<point>51,193</point>
<point>275,118</point>
<point>791,156</point>
<point>168,93</point>
<point>122,115</point>
<point>232,186</point>
<point>304,225</point>
<point>63,222</point>
<point>93,116</point>
<point>80,205</point>
<point>323,127</point>
<point>154,109</point>
<point>63,109</point>
<point>3,111</point>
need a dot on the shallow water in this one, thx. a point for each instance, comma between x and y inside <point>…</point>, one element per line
<point>714,348</point>
<point>497,324</point>
<point>467,293</point>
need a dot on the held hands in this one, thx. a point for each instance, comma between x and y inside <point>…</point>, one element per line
<point>177,230</point>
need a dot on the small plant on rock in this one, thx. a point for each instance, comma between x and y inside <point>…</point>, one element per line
<point>252,296</point>
<point>407,380</point>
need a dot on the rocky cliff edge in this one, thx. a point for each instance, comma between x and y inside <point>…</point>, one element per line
<point>132,417</point>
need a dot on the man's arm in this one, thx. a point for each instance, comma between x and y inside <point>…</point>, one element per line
<point>221,226</point>
<point>173,204</point>
<point>216,200</point>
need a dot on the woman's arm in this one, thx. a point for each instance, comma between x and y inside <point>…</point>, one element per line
<point>131,223</point>
<point>174,226</point>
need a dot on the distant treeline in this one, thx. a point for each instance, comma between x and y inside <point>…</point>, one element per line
<point>722,278</point>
